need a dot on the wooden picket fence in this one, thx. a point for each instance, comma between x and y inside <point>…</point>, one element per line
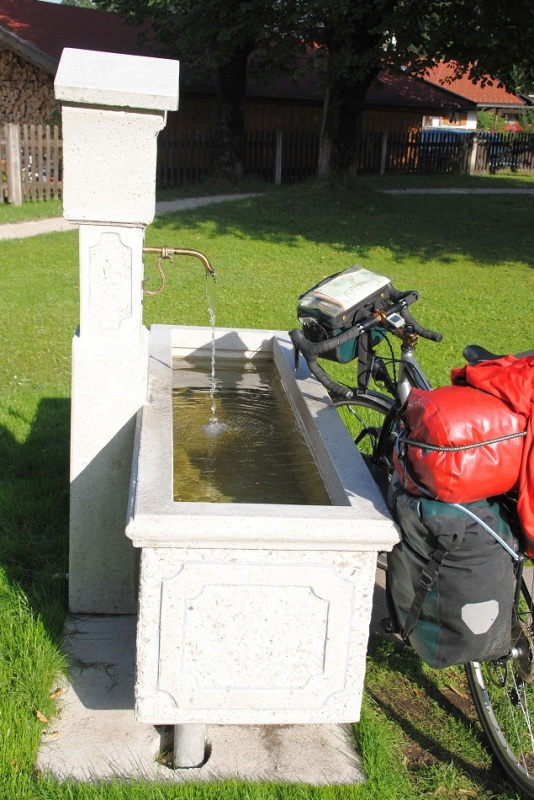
<point>289,156</point>
<point>441,152</point>
<point>32,156</point>
<point>188,156</point>
<point>32,162</point>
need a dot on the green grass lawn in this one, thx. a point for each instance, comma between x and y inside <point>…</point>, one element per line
<point>470,257</point>
<point>31,210</point>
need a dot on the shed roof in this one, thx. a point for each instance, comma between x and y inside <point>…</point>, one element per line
<point>38,31</point>
<point>399,89</point>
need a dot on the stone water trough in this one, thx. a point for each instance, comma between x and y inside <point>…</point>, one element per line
<point>251,613</point>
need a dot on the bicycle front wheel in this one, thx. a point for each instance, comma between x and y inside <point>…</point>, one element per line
<point>369,418</point>
<point>503,693</point>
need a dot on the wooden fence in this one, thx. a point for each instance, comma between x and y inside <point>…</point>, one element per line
<point>32,162</point>
<point>188,156</point>
<point>32,167</point>
<point>289,156</point>
<point>440,152</point>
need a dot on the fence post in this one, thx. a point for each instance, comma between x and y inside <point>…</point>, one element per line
<point>383,153</point>
<point>14,175</point>
<point>278,159</point>
<point>472,156</point>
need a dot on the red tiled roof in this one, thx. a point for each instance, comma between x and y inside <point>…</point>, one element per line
<point>390,89</point>
<point>489,95</point>
<point>49,27</point>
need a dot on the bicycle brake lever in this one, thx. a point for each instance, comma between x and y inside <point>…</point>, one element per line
<point>296,355</point>
<point>296,352</point>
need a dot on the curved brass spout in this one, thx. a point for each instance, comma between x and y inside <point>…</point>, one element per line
<point>168,253</point>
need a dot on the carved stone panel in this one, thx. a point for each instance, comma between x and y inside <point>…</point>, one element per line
<point>226,639</point>
<point>110,281</point>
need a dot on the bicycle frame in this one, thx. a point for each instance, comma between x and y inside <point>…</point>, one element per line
<point>411,374</point>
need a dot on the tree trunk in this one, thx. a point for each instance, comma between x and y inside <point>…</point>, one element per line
<point>231,85</point>
<point>342,126</point>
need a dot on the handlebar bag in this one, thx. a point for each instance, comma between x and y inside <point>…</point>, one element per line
<point>449,583</point>
<point>461,444</point>
<point>332,306</point>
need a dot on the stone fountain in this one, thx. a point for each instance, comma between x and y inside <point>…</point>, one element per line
<point>247,614</point>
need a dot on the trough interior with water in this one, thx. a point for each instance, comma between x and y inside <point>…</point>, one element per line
<point>236,440</point>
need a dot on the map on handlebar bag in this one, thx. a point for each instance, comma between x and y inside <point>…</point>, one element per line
<point>342,292</point>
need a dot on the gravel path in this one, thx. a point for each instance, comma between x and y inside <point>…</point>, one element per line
<point>22,230</point>
<point>458,191</point>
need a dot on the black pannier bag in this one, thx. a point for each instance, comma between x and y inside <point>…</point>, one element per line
<point>450,584</point>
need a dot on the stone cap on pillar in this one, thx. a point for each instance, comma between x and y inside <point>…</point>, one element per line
<point>88,77</point>
<point>113,107</point>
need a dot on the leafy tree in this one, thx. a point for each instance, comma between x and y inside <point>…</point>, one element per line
<point>218,38</point>
<point>353,40</point>
<point>351,37</point>
<point>80,3</point>
<point>359,38</point>
<point>488,121</point>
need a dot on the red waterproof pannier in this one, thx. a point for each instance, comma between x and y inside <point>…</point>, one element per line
<point>461,444</point>
<point>511,379</point>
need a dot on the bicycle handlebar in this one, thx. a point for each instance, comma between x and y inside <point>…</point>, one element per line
<point>424,332</point>
<point>312,350</point>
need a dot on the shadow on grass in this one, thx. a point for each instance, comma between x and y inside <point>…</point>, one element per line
<point>489,229</point>
<point>435,714</point>
<point>34,495</point>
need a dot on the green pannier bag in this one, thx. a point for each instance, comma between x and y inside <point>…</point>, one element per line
<point>450,584</point>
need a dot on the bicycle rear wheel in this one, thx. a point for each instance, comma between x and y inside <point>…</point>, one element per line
<point>503,693</point>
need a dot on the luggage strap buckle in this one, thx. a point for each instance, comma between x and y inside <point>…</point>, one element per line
<point>430,572</point>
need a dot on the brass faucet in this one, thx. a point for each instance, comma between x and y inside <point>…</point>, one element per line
<point>166,253</point>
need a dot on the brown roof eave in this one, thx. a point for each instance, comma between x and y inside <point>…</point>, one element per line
<point>28,52</point>
<point>504,106</point>
<point>428,109</point>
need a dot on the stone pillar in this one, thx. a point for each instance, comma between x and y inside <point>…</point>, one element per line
<point>113,107</point>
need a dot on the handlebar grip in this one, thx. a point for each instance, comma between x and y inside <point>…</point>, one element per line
<point>309,351</point>
<point>434,336</point>
<point>302,344</point>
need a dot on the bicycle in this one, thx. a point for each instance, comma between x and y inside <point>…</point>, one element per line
<point>503,690</point>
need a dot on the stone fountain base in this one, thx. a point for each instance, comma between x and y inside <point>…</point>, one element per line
<point>313,555</point>
<point>96,736</point>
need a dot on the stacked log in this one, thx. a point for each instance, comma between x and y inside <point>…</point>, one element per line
<point>26,92</point>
